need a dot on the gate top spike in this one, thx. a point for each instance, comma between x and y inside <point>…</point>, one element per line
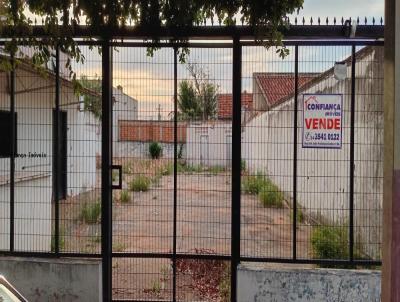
<point>327,21</point>
<point>381,20</point>
<point>334,20</point>
<point>342,20</point>
<point>304,21</point>
<point>358,20</point>
<point>373,20</point>
<point>311,21</point>
<point>319,21</point>
<point>295,20</point>
<point>365,20</point>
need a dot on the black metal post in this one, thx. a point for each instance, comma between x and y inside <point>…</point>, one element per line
<point>295,112</point>
<point>175,170</point>
<point>352,120</point>
<point>56,155</point>
<point>12,157</point>
<point>236,162</point>
<point>106,175</point>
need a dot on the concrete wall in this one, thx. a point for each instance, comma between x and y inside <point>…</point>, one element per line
<point>323,174</point>
<point>54,280</point>
<point>307,285</point>
<point>209,144</point>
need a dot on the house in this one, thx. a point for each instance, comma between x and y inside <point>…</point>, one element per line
<point>77,149</point>
<point>125,107</point>
<point>324,174</point>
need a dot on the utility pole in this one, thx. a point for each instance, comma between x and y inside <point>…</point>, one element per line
<point>391,183</point>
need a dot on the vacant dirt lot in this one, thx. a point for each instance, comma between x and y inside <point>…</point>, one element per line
<point>145,224</point>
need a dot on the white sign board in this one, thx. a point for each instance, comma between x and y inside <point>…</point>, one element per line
<point>322,121</point>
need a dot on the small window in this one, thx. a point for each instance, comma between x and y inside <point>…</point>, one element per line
<point>6,136</point>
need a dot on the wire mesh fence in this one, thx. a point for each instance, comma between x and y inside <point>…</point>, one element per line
<point>175,167</point>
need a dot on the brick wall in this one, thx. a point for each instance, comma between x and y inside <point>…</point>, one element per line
<point>151,131</point>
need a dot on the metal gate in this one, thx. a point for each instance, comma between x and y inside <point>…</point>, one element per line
<point>166,226</point>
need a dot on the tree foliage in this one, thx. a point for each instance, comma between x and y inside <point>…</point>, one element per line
<point>91,101</point>
<point>197,98</point>
<point>60,16</point>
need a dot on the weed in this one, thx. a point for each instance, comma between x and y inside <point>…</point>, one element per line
<point>216,169</point>
<point>253,184</point>
<point>140,183</point>
<point>329,242</point>
<point>118,247</point>
<point>167,169</point>
<point>124,196</point>
<point>243,166</point>
<point>299,215</point>
<point>90,212</point>
<point>156,286</point>
<point>270,195</point>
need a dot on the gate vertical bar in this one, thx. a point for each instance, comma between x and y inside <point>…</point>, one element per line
<point>236,159</point>
<point>56,155</point>
<point>175,171</point>
<point>352,120</point>
<point>12,157</point>
<point>296,93</point>
<point>106,177</point>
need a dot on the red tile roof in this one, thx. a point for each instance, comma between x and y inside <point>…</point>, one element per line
<point>224,102</point>
<point>276,87</point>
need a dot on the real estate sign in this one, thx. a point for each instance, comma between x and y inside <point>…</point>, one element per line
<point>322,120</point>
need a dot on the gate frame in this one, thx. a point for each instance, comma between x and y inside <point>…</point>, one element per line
<point>296,35</point>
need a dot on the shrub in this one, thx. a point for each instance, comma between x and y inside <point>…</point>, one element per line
<point>243,165</point>
<point>155,150</point>
<point>270,195</point>
<point>124,197</point>
<point>252,184</point>
<point>90,212</point>
<point>329,242</point>
<point>140,183</point>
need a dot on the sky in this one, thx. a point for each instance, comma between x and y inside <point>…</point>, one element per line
<point>150,80</point>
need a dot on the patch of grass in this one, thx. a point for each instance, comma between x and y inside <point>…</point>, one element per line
<point>184,168</point>
<point>127,168</point>
<point>253,184</point>
<point>90,212</point>
<point>61,240</point>
<point>125,196</point>
<point>299,215</point>
<point>270,195</point>
<point>118,247</point>
<point>216,169</point>
<point>168,169</point>
<point>156,286</point>
<point>140,183</point>
<point>330,242</point>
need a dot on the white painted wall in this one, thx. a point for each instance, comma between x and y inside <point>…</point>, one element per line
<point>33,187</point>
<point>209,144</point>
<point>323,174</point>
<point>125,108</point>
